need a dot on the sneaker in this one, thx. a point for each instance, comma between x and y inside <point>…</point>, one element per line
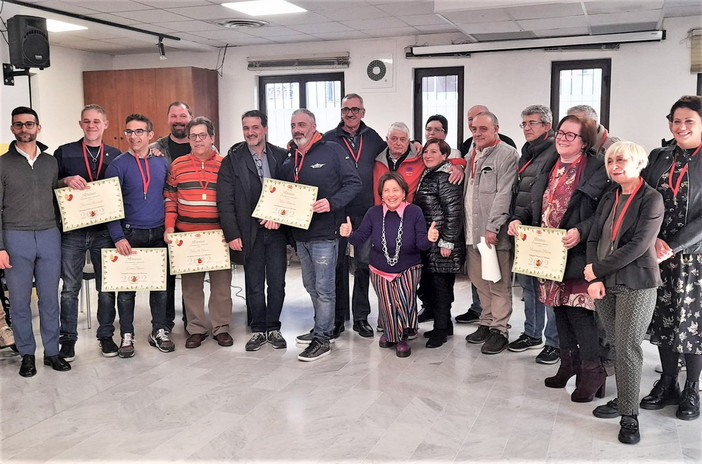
<point>479,336</point>
<point>315,350</point>
<point>7,337</point>
<point>68,350</point>
<point>108,347</point>
<point>495,343</point>
<point>549,355</point>
<point>411,334</point>
<point>276,339</point>
<point>607,411</point>
<point>257,340</point>
<point>306,339</point>
<point>126,349</point>
<point>469,317</point>
<point>525,342</point>
<point>379,328</point>
<point>162,341</point>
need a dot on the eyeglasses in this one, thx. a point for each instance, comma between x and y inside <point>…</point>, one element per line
<point>434,129</point>
<point>354,110</point>
<point>569,136</point>
<point>194,137</point>
<point>28,124</point>
<point>137,132</point>
<point>530,124</point>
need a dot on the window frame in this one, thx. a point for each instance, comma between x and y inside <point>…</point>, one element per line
<point>602,63</point>
<point>301,79</point>
<point>419,74</point>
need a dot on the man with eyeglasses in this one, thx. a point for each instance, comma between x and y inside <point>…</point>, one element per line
<point>603,140</point>
<point>79,163</point>
<point>259,244</point>
<point>492,170</point>
<point>363,144</point>
<point>142,178</point>
<point>314,161</point>
<point>30,241</point>
<point>538,156</point>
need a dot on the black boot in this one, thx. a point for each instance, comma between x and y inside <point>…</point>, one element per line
<point>570,366</point>
<point>629,432</point>
<point>592,382</point>
<point>689,406</point>
<point>665,391</point>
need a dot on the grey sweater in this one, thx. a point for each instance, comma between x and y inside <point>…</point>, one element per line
<point>27,192</point>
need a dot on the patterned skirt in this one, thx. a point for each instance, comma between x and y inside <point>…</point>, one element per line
<point>678,314</point>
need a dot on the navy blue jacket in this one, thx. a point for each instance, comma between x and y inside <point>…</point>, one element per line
<point>72,163</point>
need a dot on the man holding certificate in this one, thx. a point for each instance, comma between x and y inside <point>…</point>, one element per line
<point>314,161</point>
<point>142,178</point>
<point>79,163</point>
<point>191,205</point>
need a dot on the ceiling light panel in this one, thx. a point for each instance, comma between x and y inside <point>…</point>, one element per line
<point>264,7</point>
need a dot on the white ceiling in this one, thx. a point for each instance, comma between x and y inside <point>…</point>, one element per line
<point>194,21</point>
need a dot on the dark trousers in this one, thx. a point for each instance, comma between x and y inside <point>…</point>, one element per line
<point>266,263</point>
<point>577,330</point>
<point>361,280</point>
<point>438,290</point>
<point>143,238</point>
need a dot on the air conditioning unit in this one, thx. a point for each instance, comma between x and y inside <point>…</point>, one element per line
<point>379,71</point>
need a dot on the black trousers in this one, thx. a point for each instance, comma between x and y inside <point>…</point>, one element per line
<point>361,280</point>
<point>577,330</point>
<point>438,292</point>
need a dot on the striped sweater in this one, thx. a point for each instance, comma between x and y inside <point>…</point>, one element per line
<point>191,194</point>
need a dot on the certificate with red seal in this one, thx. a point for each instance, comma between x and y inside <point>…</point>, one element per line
<point>200,251</point>
<point>539,252</point>
<point>144,269</point>
<point>288,203</point>
<point>100,202</point>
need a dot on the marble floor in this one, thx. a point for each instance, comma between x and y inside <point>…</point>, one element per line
<point>360,404</point>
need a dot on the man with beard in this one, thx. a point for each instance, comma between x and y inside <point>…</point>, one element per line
<point>315,161</point>
<point>30,242</point>
<point>79,163</point>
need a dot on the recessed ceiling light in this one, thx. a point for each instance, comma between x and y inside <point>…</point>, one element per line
<point>53,25</point>
<point>264,7</point>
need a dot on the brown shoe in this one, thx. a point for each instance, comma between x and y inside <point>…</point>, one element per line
<point>224,339</point>
<point>195,340</point>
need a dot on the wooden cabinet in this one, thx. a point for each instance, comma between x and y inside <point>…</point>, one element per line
<point>149,92</point>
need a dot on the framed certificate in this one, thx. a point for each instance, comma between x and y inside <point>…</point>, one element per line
<point>286,202</point>
<point>145,269</point>
<point>101,202</point>
<point>200,251</point>
<point>540,252</point>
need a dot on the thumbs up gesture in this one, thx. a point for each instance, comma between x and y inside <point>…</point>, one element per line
<point>346,228</point>
<point>432,233</point>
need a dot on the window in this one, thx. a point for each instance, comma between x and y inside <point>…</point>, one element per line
<point>439,91</point>
<point>581,82</point>
<point>279,96</point>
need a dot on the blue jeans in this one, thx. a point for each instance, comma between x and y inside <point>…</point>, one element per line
<point>143,238</point>
<point>35,256</point>
<point>536,313</point>
<point>318,263</point>
<point>74,245</point>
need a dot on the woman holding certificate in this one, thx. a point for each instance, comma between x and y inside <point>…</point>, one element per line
<point>191,205</point>
<point>566,197</point>
<point>398,234</point>
<point>623,275</point>
<point>676,172</point>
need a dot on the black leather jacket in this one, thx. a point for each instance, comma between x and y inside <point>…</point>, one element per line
<point>689,239</point>
<point>537,156</point>
<point>442,202</point>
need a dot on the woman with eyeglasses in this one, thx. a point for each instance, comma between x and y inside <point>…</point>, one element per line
<point>566,197</point>
<point>676,172</point>
<point>436,127</point>
<point>623,275</point>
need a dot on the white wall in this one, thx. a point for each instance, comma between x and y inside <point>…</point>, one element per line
<point>646,80</point>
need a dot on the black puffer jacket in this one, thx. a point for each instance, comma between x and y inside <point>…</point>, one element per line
<point>442,202</point>
<point>537,156</point>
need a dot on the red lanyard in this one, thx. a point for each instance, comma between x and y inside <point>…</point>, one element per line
<point>675,187</point>
<point>145,179</point>
<point>525,166</point>
<point>617,222</point>
<point>474,160</point>
<point>203,175</point>
<point>355,156</point>
<point>101,157</point>
<point>561,179</point>
<point>298,165</point>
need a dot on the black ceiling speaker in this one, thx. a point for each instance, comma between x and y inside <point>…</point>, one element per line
<point>29,42</point>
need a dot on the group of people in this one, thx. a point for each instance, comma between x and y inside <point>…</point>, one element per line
<point>415,214</point>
